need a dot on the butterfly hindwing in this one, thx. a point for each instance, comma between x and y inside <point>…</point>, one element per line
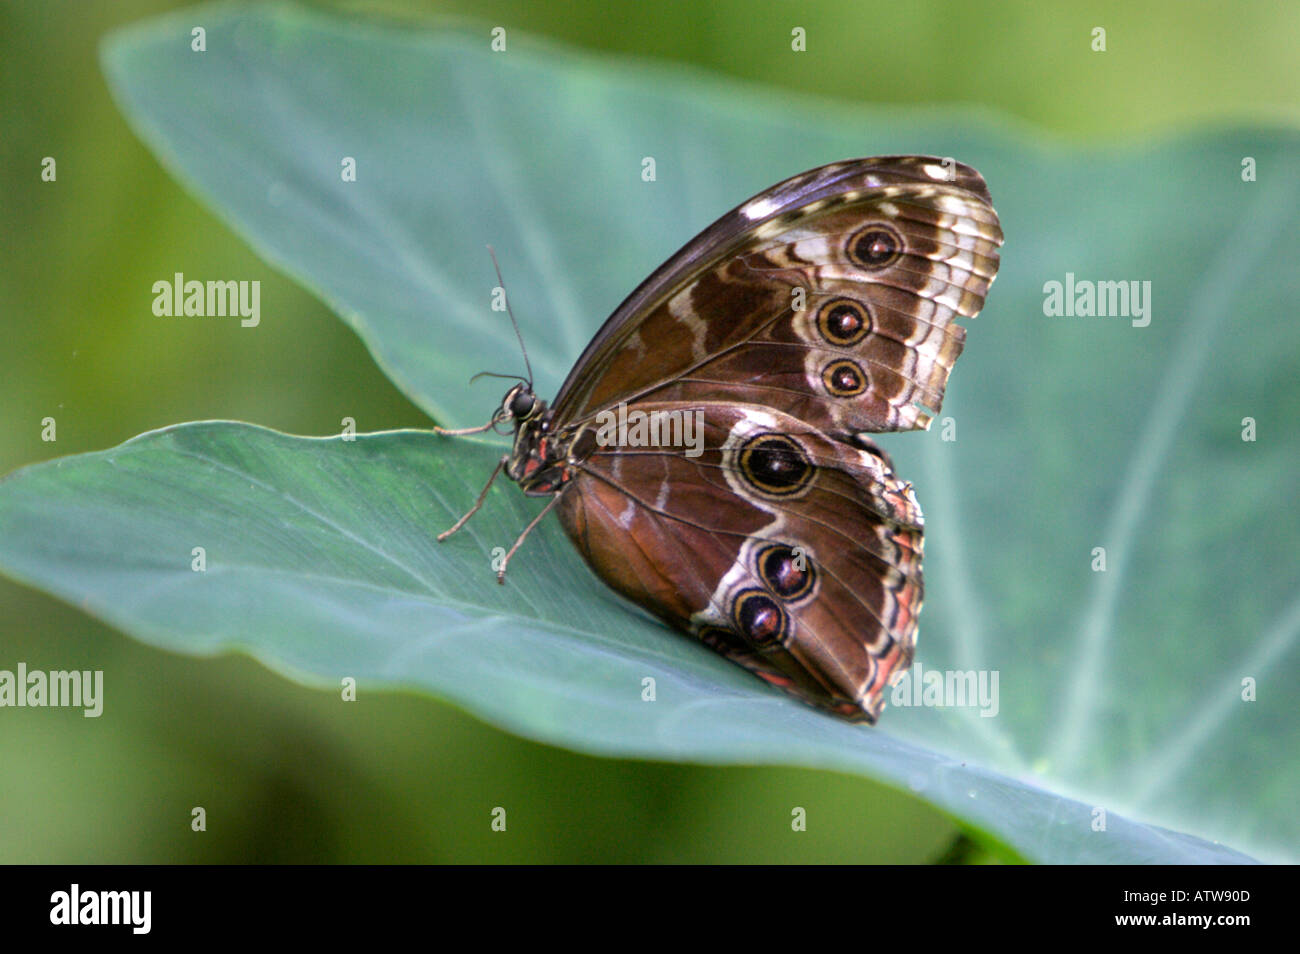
<point>792,554</point>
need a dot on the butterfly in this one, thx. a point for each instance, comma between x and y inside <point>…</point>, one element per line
<point>708,455</point>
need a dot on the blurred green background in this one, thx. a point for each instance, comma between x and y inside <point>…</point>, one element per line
<point>290,774</point>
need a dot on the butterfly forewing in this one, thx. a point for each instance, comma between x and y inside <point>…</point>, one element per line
<point>837,306</point>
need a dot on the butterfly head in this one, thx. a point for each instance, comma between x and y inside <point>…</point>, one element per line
<point>520,405</point>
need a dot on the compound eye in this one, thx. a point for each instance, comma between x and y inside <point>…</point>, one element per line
<point>522,403</point>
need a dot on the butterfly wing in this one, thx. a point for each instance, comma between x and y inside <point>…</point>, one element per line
<point>794,555</point>
<point>830,296</point>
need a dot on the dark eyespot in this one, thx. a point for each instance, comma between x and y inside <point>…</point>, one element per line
<point>843,322</point>
<point>522,403</point>
<point>874,247</point>
<point>789,572</point>
<point>844,378</point>
<point>760,619</point>
<point>775,464</point>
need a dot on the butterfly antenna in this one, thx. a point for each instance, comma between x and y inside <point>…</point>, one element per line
<point>502,283</point>
<point>493,374</point>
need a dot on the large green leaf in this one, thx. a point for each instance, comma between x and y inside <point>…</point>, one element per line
<point>320,559</point>
<point>1120,690</point>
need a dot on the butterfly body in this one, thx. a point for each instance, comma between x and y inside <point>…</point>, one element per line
<point>751,509</point>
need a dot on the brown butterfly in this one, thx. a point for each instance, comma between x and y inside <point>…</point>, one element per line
<point>708,453</point>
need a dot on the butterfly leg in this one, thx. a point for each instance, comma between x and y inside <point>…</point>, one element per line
<point>501,573</point>
<point>478,503</point>
<point>468,430</point>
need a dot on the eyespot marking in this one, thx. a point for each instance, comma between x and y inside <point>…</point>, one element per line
<point>874,247</point>
<point>843,322</point>
<point>790,574</point>
<point>775,465</point>
<point>760,619</point>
